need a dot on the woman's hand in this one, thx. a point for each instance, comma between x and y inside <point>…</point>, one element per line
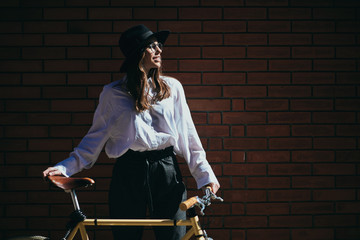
<point>214,187</point>
<point>51,171</point>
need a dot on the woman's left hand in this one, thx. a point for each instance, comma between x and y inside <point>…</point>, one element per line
<point>214,187</point>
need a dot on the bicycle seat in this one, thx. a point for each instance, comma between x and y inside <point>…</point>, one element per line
<point>68,183</point>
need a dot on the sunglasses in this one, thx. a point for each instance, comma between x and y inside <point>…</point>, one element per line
<point>153,46</point>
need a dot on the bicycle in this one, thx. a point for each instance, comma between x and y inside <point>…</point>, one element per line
<point>78,220</point>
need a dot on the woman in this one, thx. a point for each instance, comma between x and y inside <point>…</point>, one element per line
<point>143,120</point>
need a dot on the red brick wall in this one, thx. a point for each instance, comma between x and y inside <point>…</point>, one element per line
<point>273,87</point>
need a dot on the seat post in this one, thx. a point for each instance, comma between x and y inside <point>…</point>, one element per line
<point>74,199</point>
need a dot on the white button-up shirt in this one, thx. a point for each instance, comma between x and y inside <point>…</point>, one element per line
<point>119,127</point>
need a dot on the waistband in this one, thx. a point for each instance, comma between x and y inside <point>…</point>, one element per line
<point>151,156</point>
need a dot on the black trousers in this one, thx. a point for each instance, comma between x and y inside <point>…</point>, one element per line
<point>147,182</point>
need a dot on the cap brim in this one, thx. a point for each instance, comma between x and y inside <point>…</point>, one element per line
<point>161,36</point>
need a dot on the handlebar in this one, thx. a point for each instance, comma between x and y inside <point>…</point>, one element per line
<point>202,203</point>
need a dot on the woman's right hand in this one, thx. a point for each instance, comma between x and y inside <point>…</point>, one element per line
<point>51,171</point>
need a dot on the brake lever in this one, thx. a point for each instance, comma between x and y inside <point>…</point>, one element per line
<point>205,201</point>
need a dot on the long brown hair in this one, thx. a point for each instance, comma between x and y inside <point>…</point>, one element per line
<point>139,86</point>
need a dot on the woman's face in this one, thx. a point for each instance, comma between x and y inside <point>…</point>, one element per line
<point>152,57</point>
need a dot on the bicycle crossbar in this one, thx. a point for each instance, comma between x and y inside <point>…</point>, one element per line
<point>136,222</point>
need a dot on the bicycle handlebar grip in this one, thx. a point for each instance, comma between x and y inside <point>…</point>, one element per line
<point>185,205</point>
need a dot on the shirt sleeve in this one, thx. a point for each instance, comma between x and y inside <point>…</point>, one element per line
<point>189,142</point>
<point>87,152</point>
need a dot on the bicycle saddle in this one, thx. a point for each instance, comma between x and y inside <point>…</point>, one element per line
<point>68,183</point>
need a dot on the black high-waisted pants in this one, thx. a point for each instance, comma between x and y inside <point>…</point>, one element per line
<point>147,181</point>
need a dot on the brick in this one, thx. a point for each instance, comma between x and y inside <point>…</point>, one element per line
<point>290,13</point>
<point>244,169</point>
<point>313,52</point>
<point>200,13</point>
<point>347,26</point>
<point>289,91</point>
<point>313,78</point>
<point>181,52</point>
<point>266,105</point>
<point>200,65</point>
<point>65,66</point>
<point>66,40</point>
<point>313,26</point>
<point>245,221</point>
<point>213,131</point>
<point>290,65</point>
<point>21,14</point>
<point>26,158</point>
<point>89,26</point>
<point>10,27</point>
<point>334,91</point>
<point>334,65</point>
<point>334,169</point>
<point>348,181</point>
<point>153,13</point>
<point>245,65</point>
<point>64,92</point>
<point>313,234</point>
<point>313,130</point>
<point>110,13</point>
<point>20,66</point>
<point>245,39</point>
<point>68,131</point>
<point>290,143</point>
<point>267,208</point>
<point>45,27</point>
<point>268,26</point>
<point>27,106</point>
<point>348,233</point>
<point>223,52</point>
<point>290,39</point>
<point>348,207</point>
<point>313,182</point>
<point>238,105</point>
<point>334,220</point>
<point>335,143</point>
<point>243,117</point>
<point>347,104</point>
<point>290,221</point>
<point>289,169</point>
<point>72,105</point>
<point>19,92</point>
<point>238,131</point>
<point>26,131</point>
<point>347,156</point>
<point>245,13</point>
<point>209,105</point>
<point>43,53</point>
<point>347,130</point>
<point>89,52</point>
<point>334,39</point>
<point>333,117</point>
<point>206,91</point>
<point>181,26</point>
<point>214,118</point>
<point>50,144</point>
<point>65,13</point>
<point>311,105</point>
<point>334,195</point>
<point>10,78</point>
<point>268,156</point>
<point>44,78</point>
<point>268,52</point>
<point>289,195</point>
<point>104,65</point>
<point>223,3</point>
<point>288,117</point>
<point>268,78</point>
<point>312,208</point>
<point>10,53</point>
<point>266,3</point>
<point>268,182</point>
<point>200,39</point>
<point>347,52</point>
<point>224,78</point>
<point>267,131</point>
<point>224,26</point>
<point>244,91</point>
<point>268,234</point>
<point>245,143</point>
<point>12,118</point>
